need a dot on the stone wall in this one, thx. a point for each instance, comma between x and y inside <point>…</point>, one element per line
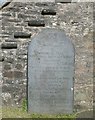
<point>21,22</point>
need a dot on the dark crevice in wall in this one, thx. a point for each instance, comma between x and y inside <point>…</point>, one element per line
<point>36,23</point>
<point>9,45</point>
<point>1,58</point>
<point>48,12</point>
<point>22,35</point>
<point>9,40</point>
<point>63,1</point>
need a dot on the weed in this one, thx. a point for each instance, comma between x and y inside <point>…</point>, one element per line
<point>24,105</point>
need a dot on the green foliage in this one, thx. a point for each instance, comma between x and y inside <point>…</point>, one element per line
<point>24,105</point>
<point>13,112</point>
<point>68,117</point>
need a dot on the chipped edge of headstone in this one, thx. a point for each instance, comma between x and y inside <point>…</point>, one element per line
<point>3,5</point>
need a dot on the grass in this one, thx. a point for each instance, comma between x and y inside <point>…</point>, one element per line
<point>13,112</point>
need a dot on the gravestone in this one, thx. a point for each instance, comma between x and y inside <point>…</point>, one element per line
<point>50,73</point>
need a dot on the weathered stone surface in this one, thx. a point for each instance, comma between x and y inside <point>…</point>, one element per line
<point>78,25</point>
<point>8,74</point>
<point>9,60</point>
<point>36,23</point>
<point>13,9</point>
<point>48,12</point>
<point>7,66</point>
<point>18,66</point>
<point>13,20</point>
<point>6,14</point>
<point>41,4</point>
<point>12,88</point>
<point>45,4</point>
<point>22,15</point>
<point>23,1</point>
<point>50,73</point>
<point>9,46</point>
<point>13,74</point>
<point>83,1</point>
<point>85,114</point>
<point>22,35</point>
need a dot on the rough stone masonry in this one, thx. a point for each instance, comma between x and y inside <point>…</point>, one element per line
<point>21,22</point>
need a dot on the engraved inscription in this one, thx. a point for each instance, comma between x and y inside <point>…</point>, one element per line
<point>50,73</point>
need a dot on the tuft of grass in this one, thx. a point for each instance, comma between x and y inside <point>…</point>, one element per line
<point>24,105</point>
<point>13,112</point>
<point>68,117</point>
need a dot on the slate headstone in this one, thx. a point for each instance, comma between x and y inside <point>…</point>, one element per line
<point>50,73</point>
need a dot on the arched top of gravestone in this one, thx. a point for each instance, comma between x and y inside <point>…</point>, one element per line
<point>51,37</point>
<point>4,3</point>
